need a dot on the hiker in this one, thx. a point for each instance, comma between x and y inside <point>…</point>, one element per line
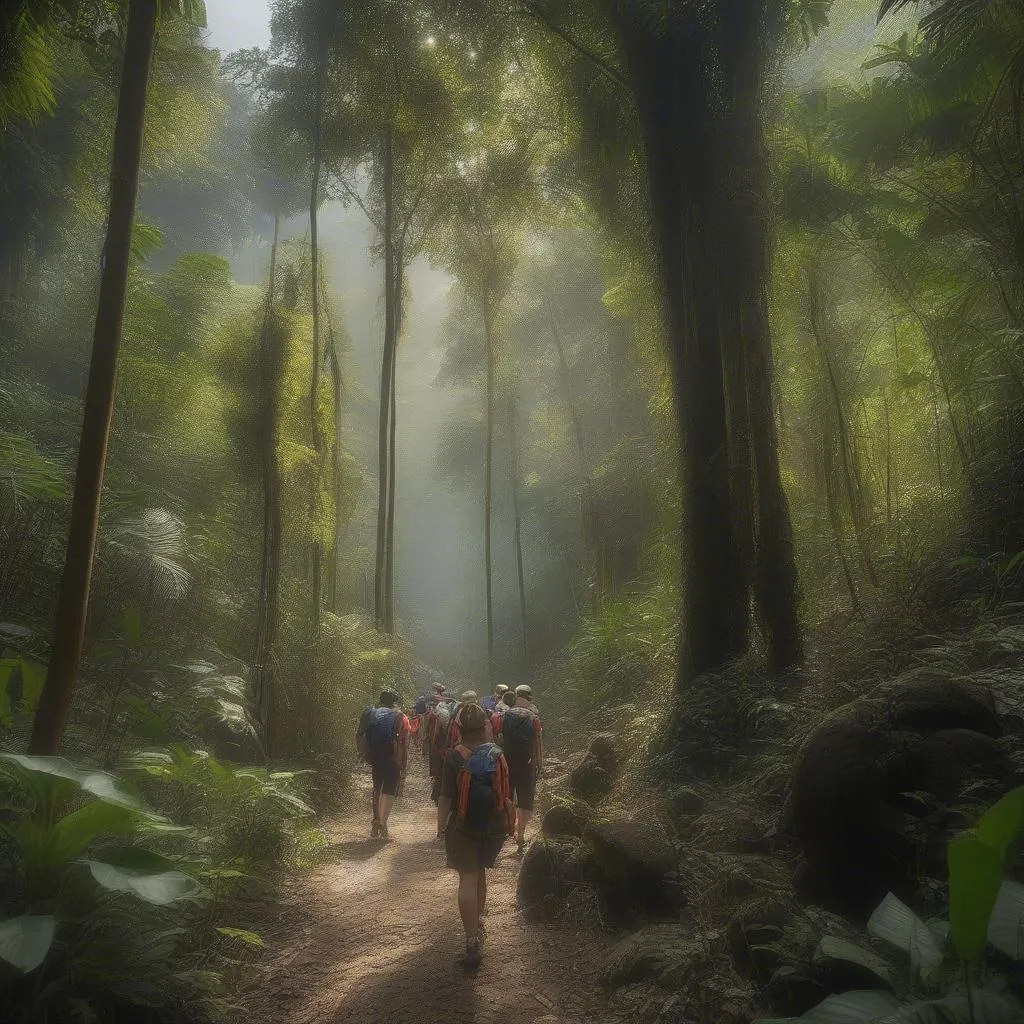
<point>383,742</point>
<point>468,697</point>
<point>508,700</point>
<point>435,739</point>
<point>520,734</point>
<point>474,815</point>
<point>524,698</point>
<point>490,703</point>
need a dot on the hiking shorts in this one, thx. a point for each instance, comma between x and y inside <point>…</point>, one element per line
<point>469,854</point>
<point>386,776</point>
<point>523,781</point>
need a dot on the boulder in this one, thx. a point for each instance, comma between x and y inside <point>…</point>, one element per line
<point>665,954</point>
<point>636,865</point>
<point>602,750</point>
<point>922,732</point>
<point>685,803</point>
<point>594,777</point>
<point>940,763</point>
<point>563,820</point>
<point>550,870</point>
<point>926,700</point>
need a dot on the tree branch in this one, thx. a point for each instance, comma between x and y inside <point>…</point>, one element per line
<point>533,10</point>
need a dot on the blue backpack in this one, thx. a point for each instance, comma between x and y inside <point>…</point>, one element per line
<point>484,793</point>
<point>381,725</point>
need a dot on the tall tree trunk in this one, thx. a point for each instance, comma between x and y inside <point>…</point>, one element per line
<point>681,142</point>
<point>314,387</point>
<point>332,584</point>
<point>73,598</point>
<point>589,519</point>
<point>513,436</point>
<point>488,479</point>
<point>271,362</point>
<point>389,552</point>
<point>381,615</point>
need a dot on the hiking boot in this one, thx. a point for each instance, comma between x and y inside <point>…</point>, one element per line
<point>382,831</point>
<point>472,953</point>
<point>520,845</point>
<point>375,830</point>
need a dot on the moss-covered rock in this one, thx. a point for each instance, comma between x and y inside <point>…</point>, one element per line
<point>551,869</point>
<point>665,954</point>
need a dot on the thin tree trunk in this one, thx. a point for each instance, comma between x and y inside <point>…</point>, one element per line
<point>386,383</point>
<point>517,516</point>
<point>271,359</point>
<point>314,389</point>
<point>837,524</point>
<point>488,480</point>
<point>332,584</point>
<point>589,519</point>
<point>851,479</point>
<point>73,598</point>
<point>389,554</point>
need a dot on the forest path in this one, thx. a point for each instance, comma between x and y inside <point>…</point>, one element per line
<point>372,936</point>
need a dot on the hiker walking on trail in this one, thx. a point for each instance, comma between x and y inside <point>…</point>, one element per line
<point>490,703</point>
<point>383,742</point>
<point>520,735</point>
<point>508,700</point>
<point>435,738</point>
<point>475,816</point>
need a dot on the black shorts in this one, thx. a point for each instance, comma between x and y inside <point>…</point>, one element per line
<point>467,854</point>
<point>523,780</point>
<point>386,775</point>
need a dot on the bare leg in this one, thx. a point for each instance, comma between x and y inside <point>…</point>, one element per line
<point>469,897</point>
<point>522,820</point>
<point>481,892</point>
<point>386,803</point>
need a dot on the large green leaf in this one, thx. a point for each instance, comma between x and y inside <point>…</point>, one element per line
<point>160,889</point>
<point>73,833</point>
<point>975,877</point>
<point>101,785</point>
<point>1001,822</point>
<point>895,923</point>
<point>25,941</point>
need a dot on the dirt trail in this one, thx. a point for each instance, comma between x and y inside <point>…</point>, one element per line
<point>373,936</point>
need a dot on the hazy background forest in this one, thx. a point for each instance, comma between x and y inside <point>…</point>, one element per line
<point>480,339</point>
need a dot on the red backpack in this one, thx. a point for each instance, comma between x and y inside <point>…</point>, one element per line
<point>483,790</point>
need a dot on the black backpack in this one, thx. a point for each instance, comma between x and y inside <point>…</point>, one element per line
<point>518,731</point>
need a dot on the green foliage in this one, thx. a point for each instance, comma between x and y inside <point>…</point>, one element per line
<point>976,864</point>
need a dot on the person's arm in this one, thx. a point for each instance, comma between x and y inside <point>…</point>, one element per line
<point>402,744</point>
<point>538,750</point>
<point>446,798</point>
